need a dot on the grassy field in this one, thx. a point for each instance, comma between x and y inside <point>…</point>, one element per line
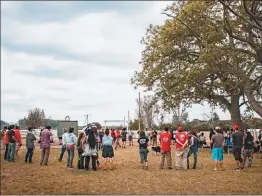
<point>128,177</point>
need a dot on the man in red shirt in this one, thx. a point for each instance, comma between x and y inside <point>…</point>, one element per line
<point>181,149</point>
<point>165,141</point>
<point>6,142</point>
<point>18,140</point>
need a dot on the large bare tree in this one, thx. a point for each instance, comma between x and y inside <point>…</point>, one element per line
<point>148,110</point>
<point>36,118</point>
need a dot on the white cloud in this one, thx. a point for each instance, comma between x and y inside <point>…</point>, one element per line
<point>86,89</point>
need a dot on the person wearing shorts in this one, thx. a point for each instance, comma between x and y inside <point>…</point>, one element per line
<point>217,141</point>
<point>130,138</point>
<point>108,152</point>
<point>237,140</point>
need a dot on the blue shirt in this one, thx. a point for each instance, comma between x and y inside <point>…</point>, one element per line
<point>107,140</point>
<point>70,138</point>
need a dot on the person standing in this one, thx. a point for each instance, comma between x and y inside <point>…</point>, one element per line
<point>18,140</point>
<point>193,147</point>
<point>154,138</point>
<point>124,136</point>
<point>70,143</point>
<point>45,145</point>
<point>211,133</point>
<point>11,144</point>
<point>113,135</point>
<point>181,149</point>
<point>101,135</point>
<point>172,136</point>
<point>248,150</point>
<point>165,141</point>
<point>30,139</point>
<point>237,140</point>
<point>80,150</point>
<point>108,152</point>
<point>143,151</point>
<point>6,142</point>
<point>151,136</point>
<point>117,140</point>
<point>130,137</point>
<point>63,149</point>
<point>217,141</point>
<point>90,149</point>
<point>260,143</point>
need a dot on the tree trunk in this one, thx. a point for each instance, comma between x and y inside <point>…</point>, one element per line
<point>252,102</point>
<point>235,112</point>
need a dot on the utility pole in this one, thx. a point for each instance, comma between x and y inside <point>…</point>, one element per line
<point>86,120</point>
<point>139,112</point>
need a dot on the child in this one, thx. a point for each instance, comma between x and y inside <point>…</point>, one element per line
<point>143,151</point>
<point>30,138</point>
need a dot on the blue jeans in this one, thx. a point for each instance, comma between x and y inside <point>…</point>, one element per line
<point>29,154</point>
<point>192,150</point>
<point>11,152</point>
<point>63,149</point>
<point>143,155</point>
<point>70,157</point>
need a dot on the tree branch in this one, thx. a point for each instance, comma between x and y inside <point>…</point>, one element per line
<point>236,14</point>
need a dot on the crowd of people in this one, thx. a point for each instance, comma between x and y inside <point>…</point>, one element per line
<point>91,140</point>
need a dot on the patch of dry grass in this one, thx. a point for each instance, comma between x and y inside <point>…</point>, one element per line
<point>128,177</point>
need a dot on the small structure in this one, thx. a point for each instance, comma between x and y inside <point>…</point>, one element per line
<point>65,124</point>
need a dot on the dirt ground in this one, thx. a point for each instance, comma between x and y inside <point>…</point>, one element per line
<point>128,177</point>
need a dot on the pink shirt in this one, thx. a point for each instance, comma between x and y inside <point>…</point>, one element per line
<point>46,139</point>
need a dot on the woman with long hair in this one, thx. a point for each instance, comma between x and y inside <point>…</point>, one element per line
<point>80,150</point>
<point>108,152</point>
<point>248,150</point>
<point>79,145</point>
<point>193,146</point>
<point>91,149</point>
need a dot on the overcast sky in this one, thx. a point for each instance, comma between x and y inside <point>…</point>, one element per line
<point>74,58</point>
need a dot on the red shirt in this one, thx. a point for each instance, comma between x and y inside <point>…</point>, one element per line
<point>113,134</point>
<point>6,137</point>
<point>182,138</point>
<point>18,135</point>
<point>165,140</point>
<point>117,133</point>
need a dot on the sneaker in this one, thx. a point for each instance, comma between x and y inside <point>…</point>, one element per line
<point>170,168</point>
<point>194,167</point>
<point>237,169</point>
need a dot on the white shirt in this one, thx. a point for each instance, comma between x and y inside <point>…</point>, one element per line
<point>63,138</point>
